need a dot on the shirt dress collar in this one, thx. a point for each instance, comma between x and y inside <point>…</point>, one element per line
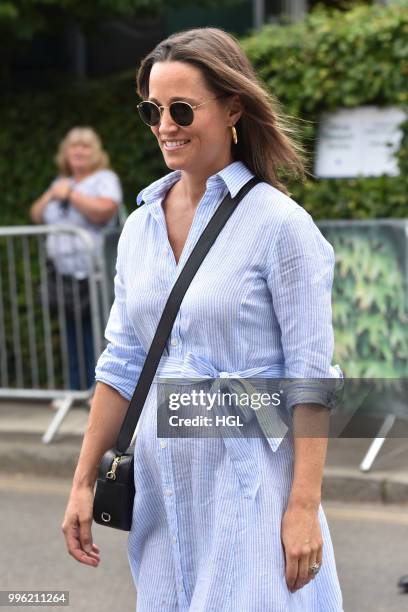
<point>233,176</point>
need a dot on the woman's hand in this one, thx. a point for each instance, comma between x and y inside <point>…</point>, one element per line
<point>61,189</point>
<point>76,526</point>
<point>302,542</point>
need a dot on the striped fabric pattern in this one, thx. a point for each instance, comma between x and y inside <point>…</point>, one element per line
<point>207,514</point>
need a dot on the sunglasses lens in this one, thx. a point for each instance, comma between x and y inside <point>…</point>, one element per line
<point>149,113</point>
<point>182,113</point>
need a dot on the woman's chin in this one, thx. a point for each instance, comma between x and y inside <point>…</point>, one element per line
<point>175,164</point>
<point>81,168</point>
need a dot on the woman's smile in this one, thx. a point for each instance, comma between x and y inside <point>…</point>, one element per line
<point>171,145</point>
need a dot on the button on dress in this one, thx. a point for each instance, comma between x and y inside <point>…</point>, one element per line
<point>206,530</point>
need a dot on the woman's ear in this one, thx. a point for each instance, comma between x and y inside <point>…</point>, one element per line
<point>235,109</point>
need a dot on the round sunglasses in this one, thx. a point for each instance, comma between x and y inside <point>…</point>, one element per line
<point>182,113</point>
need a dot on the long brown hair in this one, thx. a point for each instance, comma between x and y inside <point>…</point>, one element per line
<point>266,140</point>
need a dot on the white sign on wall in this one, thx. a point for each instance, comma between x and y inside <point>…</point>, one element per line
<point>359,141</point>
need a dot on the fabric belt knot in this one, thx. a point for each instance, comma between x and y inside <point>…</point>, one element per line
<point>240,450</point>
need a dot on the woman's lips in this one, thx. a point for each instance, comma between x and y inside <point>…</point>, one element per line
<point>175,145</point>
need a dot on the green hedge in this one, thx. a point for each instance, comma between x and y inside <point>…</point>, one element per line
<point>330,60</point>
<point>327,62</point>
<point>334,60</point>
<point>370,311</point>
<point>34,124</point>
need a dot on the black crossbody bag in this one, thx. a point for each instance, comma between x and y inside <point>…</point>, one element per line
<point>115,487</point>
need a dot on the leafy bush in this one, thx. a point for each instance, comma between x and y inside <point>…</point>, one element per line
<point>330,61</point>
<point>333,60</point>
<point>370,311</point>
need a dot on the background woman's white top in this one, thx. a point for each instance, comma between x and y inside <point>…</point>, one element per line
<point>66,250</point>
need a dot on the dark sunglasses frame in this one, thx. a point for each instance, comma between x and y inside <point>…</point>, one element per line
<point>173,111</point>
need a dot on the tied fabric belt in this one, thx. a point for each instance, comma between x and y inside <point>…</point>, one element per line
<point>239,448</point>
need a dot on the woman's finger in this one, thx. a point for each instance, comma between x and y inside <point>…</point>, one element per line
<point>94,553</point>
<point>71,533</point>
<point>291,571</point>
<point>303,576</point>
<point>85,534</point>
<point>316,557</point>
<point>312,561</point>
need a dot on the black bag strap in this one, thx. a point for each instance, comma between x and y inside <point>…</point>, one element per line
<point>205,242</point>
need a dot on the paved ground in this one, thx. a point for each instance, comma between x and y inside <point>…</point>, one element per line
<point>369,542</point>
<point>32,510</point>
<point>369,530</point>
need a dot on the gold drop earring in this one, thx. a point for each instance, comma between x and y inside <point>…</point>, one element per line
<point>234,134</point>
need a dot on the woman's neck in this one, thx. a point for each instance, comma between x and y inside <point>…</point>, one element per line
<point>79,175</point>
<point>193,184</point>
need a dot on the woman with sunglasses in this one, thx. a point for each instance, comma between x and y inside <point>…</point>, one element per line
<point>214,529</point>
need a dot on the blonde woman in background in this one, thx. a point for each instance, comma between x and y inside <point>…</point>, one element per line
<point>86,194</point>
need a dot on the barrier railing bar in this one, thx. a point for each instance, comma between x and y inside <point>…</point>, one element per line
<point>14,311</point>
<point>28,291</point>
<point>79,334</point>
<point>46,316</point>
<point>43,337</point>
<point>3,345</point>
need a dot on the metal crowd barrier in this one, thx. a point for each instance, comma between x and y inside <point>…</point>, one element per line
<point>51,321</point>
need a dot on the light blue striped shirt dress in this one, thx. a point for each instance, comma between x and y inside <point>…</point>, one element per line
<point>207,515</point>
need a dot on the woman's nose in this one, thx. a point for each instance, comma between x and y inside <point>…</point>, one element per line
<point>166,120</point>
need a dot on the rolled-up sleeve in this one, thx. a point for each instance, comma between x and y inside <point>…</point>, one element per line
<point>300,278</point>
<point>122,360</point>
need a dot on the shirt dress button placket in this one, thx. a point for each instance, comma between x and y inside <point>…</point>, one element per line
<point>164,456</point>
<point>175,348</point>
<point>174,344</point>
<point>170,504</point>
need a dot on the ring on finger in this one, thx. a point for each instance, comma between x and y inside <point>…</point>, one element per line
<point>314,568</point>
